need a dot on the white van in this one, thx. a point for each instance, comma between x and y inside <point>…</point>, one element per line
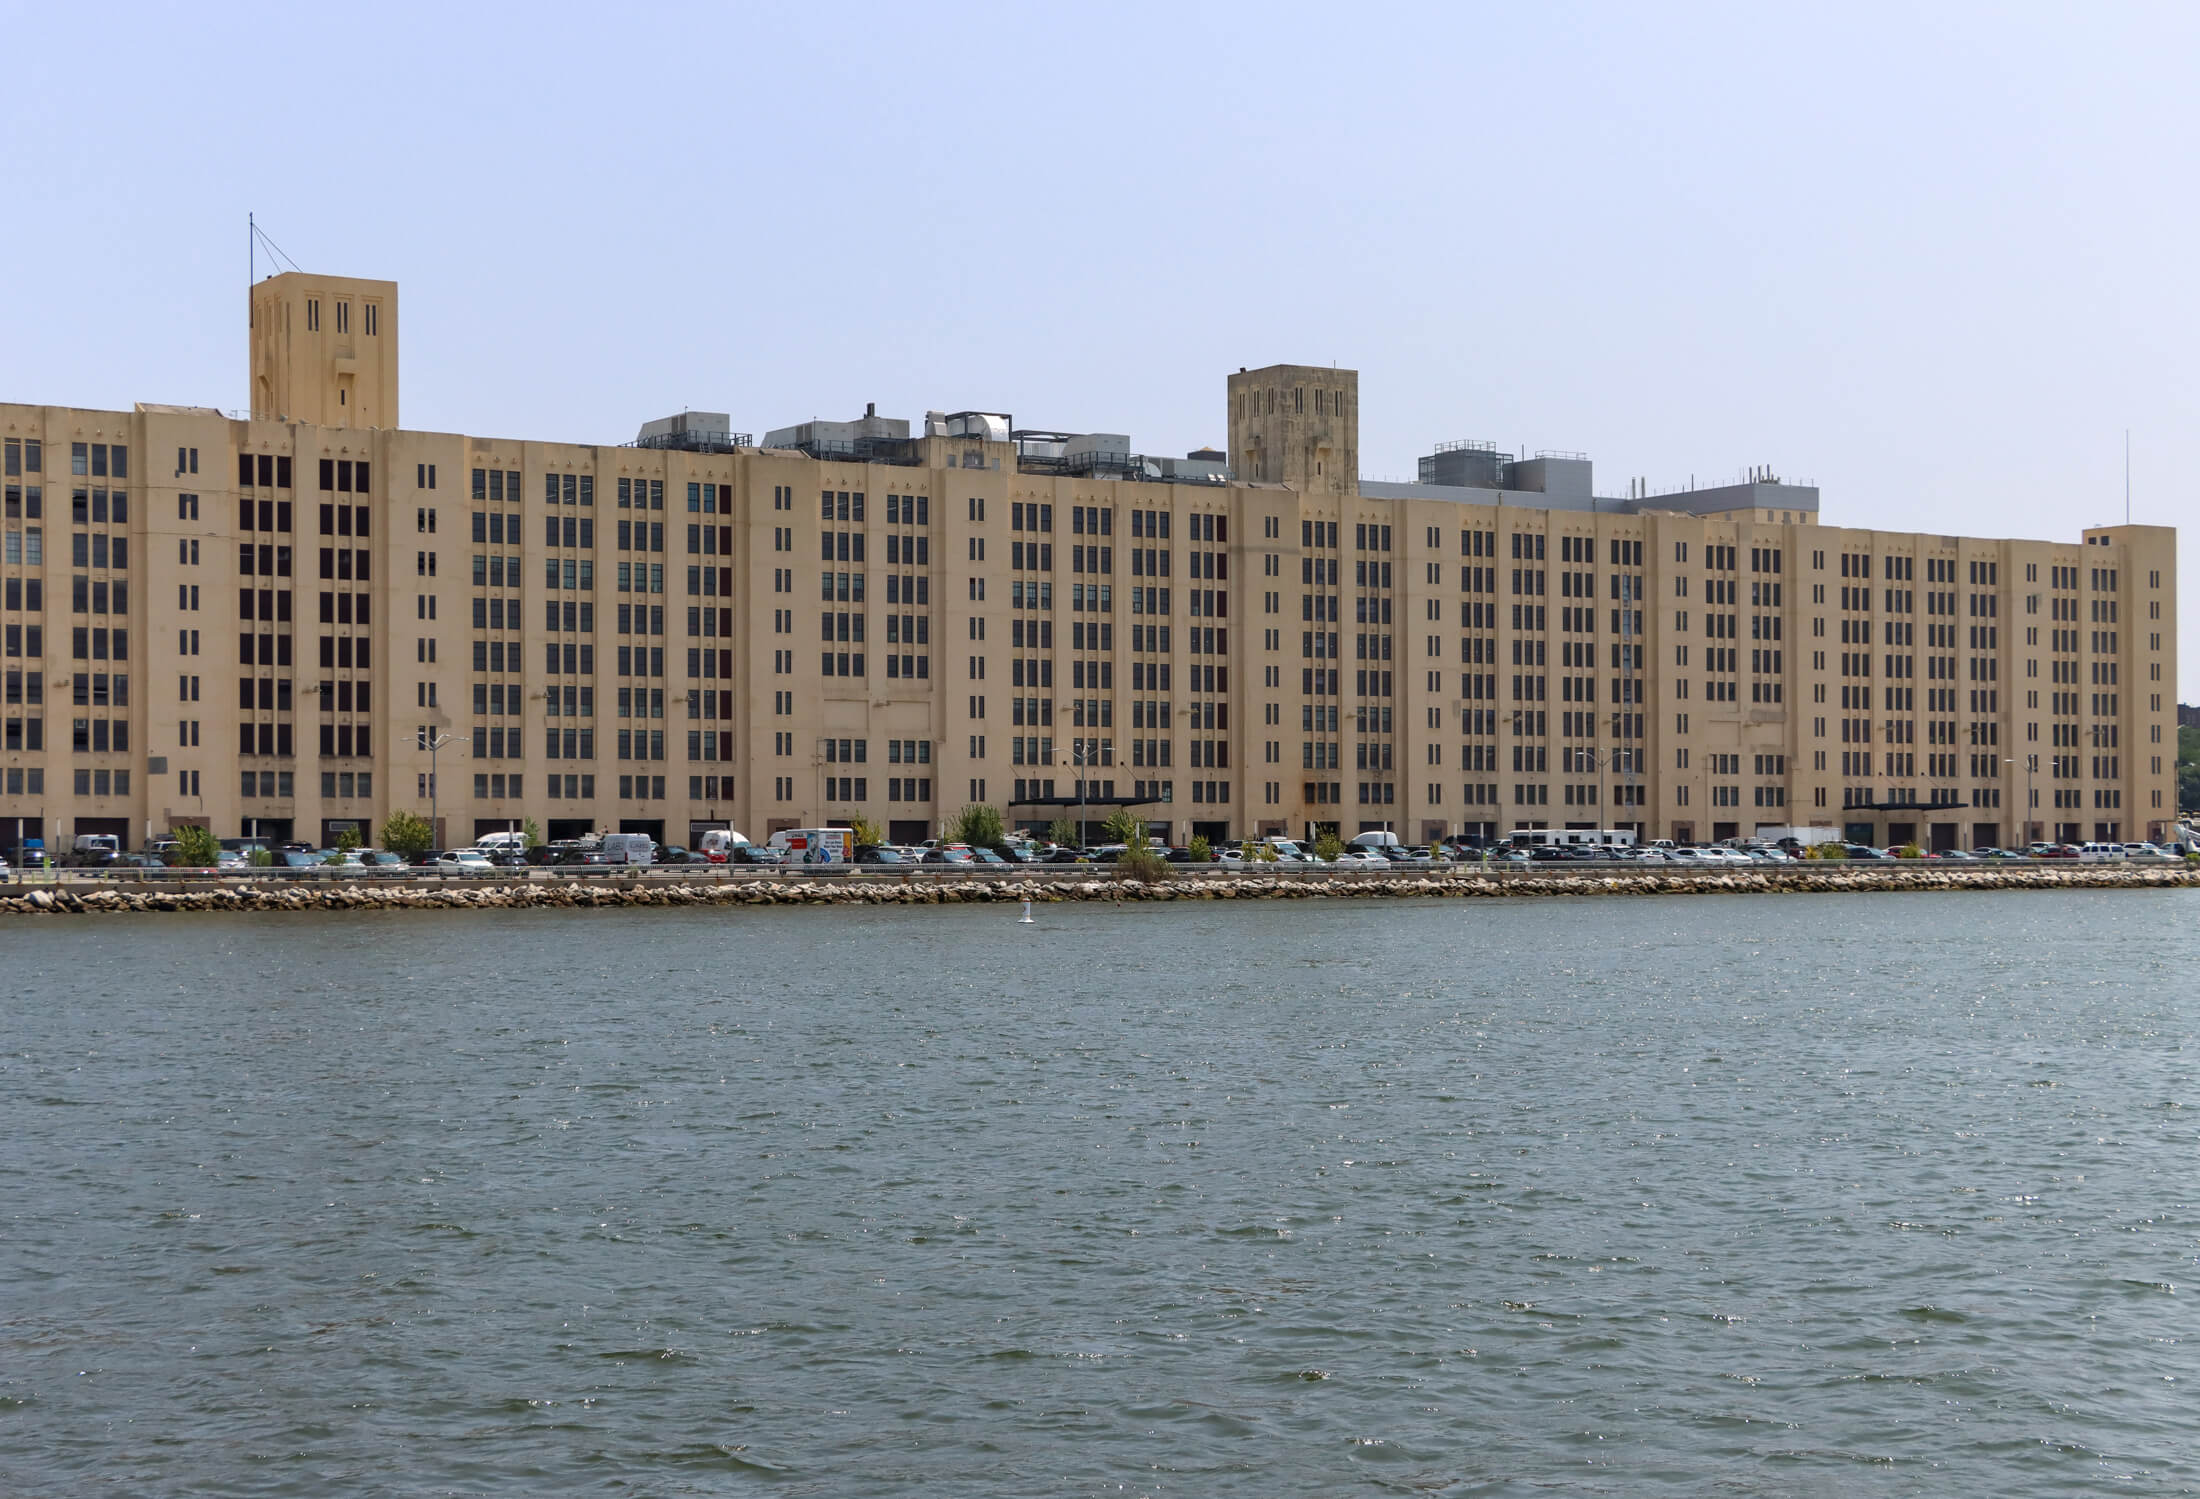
<point>2100,853</point>
<point>629,848</point>
<point>496,842</point>
<point>812,845</point>
<point>719,843</point>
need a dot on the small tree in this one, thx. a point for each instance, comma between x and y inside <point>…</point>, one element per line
<point>407,833</point>
<point>1125,827</point>
<point>1200,850</point>
<point>530,834</point>
<point>347,840</point>
<point>1258,851</point>
<point>1827,852</point>
<point>1909,851</point>
<point>1327,847</point>
<point>196,848</point>
<point>978,825</point>
<point>1062,831</point>
<point>261,858</point>
<point>863,832</point>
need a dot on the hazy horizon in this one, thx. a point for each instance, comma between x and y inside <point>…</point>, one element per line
<point>1928,260</point>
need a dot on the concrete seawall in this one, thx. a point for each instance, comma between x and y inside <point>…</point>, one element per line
<point>854,889</point>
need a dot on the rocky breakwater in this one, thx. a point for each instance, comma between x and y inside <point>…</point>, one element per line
<point>246,895</point>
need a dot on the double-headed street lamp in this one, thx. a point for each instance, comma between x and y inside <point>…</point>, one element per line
<point>1077,763</point>
<point>431,742</point>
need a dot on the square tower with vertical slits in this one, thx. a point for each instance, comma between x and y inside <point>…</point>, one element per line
<point>1297,424</point>
<point>324,350</point>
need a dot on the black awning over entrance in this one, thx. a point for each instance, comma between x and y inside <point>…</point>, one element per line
<point>1084,801</point>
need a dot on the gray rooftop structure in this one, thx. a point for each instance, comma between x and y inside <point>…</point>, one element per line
<point>1477,473</point>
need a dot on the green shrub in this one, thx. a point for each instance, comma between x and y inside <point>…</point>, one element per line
<point>196,848</point>
<point>407,833</point>
<point>1257,852</point>
<point>1327,847</point>
<point>1200,850</point>
<point>978,825</point>
<point>1062,831</point>
<point>1125,827</point>
<point>1142,864</point>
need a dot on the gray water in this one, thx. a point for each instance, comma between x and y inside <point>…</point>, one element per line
<point>1894,1195</point>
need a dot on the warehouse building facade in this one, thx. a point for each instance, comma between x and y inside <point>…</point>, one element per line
<point>291,623</point>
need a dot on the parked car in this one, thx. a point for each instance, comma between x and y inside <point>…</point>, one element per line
<point>464,861</point>
<point>877,853</point>
<point>565,854</point>
<point>381,861</point>
<point>987,856</point>
<point>955,854</point>
<point>93,851</point>
<point>2055,851</point>
<point>1360,858</point>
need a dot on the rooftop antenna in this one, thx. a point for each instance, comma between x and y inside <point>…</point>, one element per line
<point>258,237</point>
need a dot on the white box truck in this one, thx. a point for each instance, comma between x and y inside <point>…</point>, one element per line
<point>812,845</point>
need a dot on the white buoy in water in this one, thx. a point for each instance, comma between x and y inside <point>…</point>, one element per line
<point>1025,919</point>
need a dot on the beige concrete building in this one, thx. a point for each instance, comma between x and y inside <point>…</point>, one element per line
<point>291,623</point>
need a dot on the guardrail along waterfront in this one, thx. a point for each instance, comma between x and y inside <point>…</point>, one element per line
<point>853,885</point>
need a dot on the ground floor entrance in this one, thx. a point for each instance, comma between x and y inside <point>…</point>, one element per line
<point>114,827</point>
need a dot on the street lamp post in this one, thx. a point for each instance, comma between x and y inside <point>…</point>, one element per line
<point>2031,763</point>
<point>2009,760</point>
<point>1077,763</point>
<point>434,742</point>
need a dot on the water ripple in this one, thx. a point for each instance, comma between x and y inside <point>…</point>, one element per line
<point>1705,1195</point>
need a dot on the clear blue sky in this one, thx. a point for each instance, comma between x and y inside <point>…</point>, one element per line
<point>1934,258</point>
